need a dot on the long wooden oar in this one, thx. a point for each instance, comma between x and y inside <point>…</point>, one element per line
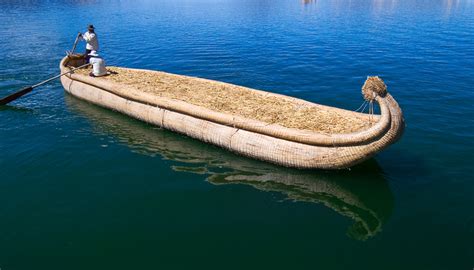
<point>75,43</point>
<point>74,46</point>
<point>28,89</point>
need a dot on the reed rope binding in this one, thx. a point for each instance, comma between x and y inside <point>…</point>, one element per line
<point>373,87</point>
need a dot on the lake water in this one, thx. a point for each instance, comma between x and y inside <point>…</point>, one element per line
<point>82,187</point>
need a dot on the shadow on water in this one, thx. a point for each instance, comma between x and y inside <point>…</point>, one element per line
<point>361,193</point>
<point>15,109</point>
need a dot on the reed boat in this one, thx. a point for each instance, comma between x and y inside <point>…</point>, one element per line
<point>266,126</point>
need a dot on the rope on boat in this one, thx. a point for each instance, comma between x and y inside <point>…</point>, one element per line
<point>372,88</point>
<point>363,103</point>
<point>371,110</point>
<point>365,106</point>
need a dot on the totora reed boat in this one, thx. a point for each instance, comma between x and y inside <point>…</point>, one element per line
<point>262,125</point>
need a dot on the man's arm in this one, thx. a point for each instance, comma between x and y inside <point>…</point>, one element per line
<point>88,36</point>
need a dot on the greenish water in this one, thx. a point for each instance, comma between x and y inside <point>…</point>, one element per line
<point>82,187</point>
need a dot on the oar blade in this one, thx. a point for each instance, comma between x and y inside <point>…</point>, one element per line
<point>16,95</point>
<point>26,90</point>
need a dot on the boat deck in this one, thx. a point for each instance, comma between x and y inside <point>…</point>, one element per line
<point>240,101</point>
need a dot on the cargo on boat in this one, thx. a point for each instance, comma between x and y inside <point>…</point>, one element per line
<point>262,125</point>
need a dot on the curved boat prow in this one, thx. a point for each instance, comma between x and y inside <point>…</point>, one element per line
<point>386,131</point>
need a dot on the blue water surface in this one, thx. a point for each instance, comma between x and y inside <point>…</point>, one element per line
<point>82,187</point>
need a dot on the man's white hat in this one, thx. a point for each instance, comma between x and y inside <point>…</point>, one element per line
<point>93,53</point>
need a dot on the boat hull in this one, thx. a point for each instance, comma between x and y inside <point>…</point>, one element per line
<point>247,143</point>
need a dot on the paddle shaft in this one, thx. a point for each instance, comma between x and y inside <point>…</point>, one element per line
<point>75,43</point>
<point>28,89</point>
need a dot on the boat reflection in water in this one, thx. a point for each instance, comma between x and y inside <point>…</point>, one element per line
<point>361,193</point>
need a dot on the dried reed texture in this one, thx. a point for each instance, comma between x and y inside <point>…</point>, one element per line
<point>237,100</point>
<point>373,87</point>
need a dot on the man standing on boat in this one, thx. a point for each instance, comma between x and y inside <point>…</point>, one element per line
<point>92,41</point>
